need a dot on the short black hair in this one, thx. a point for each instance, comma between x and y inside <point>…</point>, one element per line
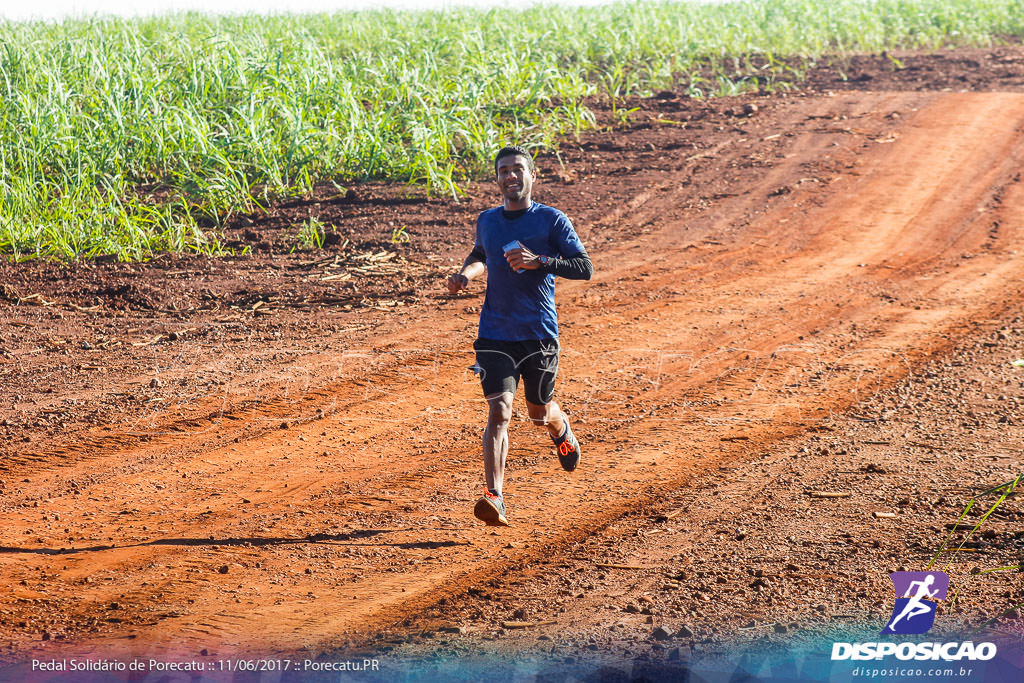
<point>513,150</point>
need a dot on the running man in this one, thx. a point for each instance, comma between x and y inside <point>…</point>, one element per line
<point>917,591</point>
<point>522,245</point>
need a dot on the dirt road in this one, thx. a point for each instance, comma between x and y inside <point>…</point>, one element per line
<point>759,269</point>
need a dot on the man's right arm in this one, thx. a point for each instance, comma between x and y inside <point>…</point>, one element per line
<point>472,267</point>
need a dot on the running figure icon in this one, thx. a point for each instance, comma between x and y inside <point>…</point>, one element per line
<point>915,608</point>
<point>916,605</point>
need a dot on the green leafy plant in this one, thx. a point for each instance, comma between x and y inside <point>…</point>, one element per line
<point>400,235</point>
<point>132,136</point>
<point>311,234</point>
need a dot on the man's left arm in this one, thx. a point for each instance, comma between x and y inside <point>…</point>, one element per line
<point>578,266</point>
<point>563,240</point>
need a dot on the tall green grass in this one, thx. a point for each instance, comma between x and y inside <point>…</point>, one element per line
<point>134,136</point>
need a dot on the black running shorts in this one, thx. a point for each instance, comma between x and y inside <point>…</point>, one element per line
<point>501,363</point>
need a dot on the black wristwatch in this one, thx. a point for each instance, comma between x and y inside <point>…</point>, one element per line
<point>545,261</point>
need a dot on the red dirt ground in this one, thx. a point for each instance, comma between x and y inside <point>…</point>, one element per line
<point>279,452</point>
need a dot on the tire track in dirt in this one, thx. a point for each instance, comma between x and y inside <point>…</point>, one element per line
<point>695,344</point>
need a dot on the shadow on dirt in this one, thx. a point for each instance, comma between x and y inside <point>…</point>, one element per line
<point>254,541</point>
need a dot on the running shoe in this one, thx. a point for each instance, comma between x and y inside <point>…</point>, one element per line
<point>568,449</point>
<point>491,510</point>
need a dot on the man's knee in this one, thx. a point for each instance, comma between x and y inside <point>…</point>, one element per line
<point>499,409</point>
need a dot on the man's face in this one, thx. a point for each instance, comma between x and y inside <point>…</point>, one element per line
<point>515,181</point>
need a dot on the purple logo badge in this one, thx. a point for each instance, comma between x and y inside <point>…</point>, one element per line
<point>916,593</point>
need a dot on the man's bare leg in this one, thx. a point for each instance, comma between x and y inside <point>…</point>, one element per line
<point>496,439</point>
<point>548,415</point>
<point>491,508</point>
<point>551,416</point>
